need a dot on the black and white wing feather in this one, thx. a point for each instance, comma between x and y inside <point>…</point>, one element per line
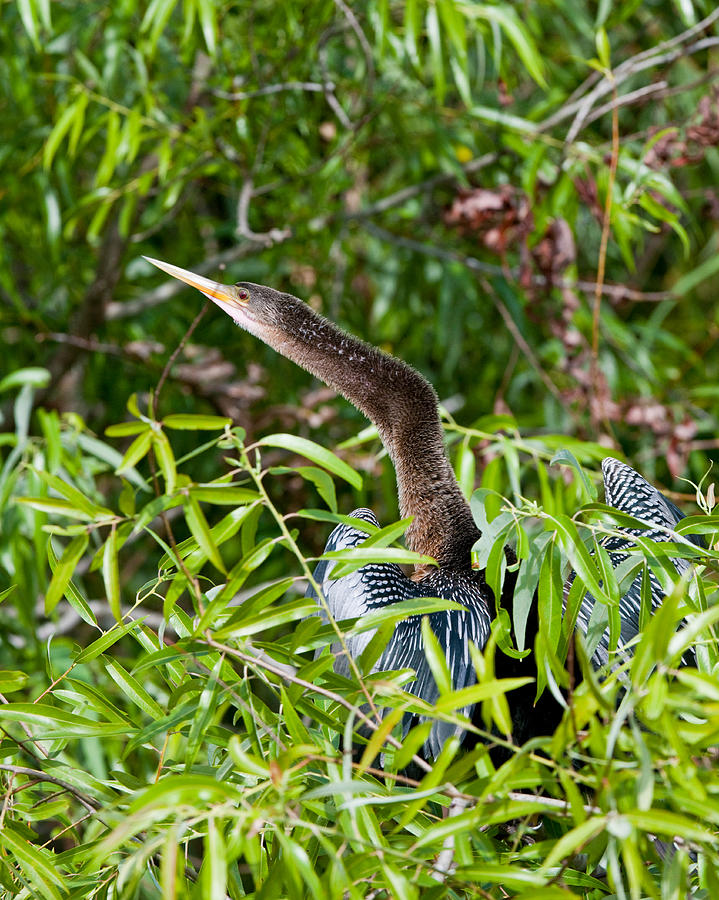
<point>627,491</point>
<point>378,585</point>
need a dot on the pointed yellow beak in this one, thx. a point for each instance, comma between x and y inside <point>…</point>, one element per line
<point>224,295</point>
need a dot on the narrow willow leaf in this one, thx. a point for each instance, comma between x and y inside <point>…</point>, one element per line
<point>105,642</point>
<point>11,681</point>
<point>376,742</point>
<point>213,874</point>
<point>60,129</point>
<point>188,422</point>
<point>36,862</point>
<point>316,453</point>
<point>124,429</point>
<point>322,481</point>
<point>207,11</point>
<point>465,468</point>
<point>430,780</point>
<point>436,658</point>
<point>132,689</point>
<point>7,592</point>
<point>71,493</point>
<point>53,722</point>
<point>412,31</point>
<point>670,824</point>
<point>356,557</point>
<point>224,495</point>
<point>72,594</point>
<point>206,712</point>
<point>201,532</point>
<point>166,459</point>
<point>32,375</point>
<point>477,693</point>
<point>403,609</point>
<point>435,47</point>
<point>519,36</point>
<point>137,450</point>
<point>52,505</point>
<point>63,573</point>
<point>571,842</point>
<point>566,456</point>
<point>110,159</point>
<point>111,574</point>
<point>297,859</point>
<point>283,615</point>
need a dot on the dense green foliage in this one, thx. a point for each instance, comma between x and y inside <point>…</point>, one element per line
<point>520,203</point>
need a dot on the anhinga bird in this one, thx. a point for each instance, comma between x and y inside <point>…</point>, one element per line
<point>627,491</point>
<point>403,406</point>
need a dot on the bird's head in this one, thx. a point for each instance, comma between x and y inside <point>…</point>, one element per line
<point>253,306</point>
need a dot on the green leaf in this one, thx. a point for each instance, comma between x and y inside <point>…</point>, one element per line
<point>477,693</point>
<point>316,453</point>
<point>11,681</point>
<point>436,658</point>
<point>403,609</point>
<point>63,572</point>
<point>35,862</point>
<point>282,615</point>
<point>166,459</point>
<point>110,159</point>
<point>187,422</point>
<point>72,594</point>
<point>76,497</point>
<point>201,532</point>
<point>567,457</point>
<point>137,450</point>
<point>213,874</point>
<point>34,376</point>
<point>519,36</point>
<point>224,494</point>
<point>61,128</point>
<point>51,505</point>
<point>132,689</point>
<point>111,574</point>
<point>105,642</point>
<point>296,858</point>
<point>51,722</point>
<point>124,429</point>
<point>360,556</point>
<point>321,480</point>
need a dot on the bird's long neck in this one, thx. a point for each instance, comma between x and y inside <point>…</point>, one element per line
<point>403,406</point>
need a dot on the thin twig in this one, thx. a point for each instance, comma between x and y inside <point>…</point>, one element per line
<point>640,94</point>
<point>310,86</point>
<point>176,352</point>
<point>627,70</point>
<point>88,802</point>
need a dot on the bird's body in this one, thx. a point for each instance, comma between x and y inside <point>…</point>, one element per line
<point>377,585</point>
<point>628,492</point>
<point>403,406</point>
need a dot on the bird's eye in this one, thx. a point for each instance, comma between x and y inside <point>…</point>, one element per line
<point>243,294</point>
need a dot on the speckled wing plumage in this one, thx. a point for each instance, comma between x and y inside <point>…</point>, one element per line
<point>375,586</point>
<point>628,492</point>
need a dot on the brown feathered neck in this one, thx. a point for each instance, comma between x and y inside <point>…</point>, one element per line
<point>394,397</point>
